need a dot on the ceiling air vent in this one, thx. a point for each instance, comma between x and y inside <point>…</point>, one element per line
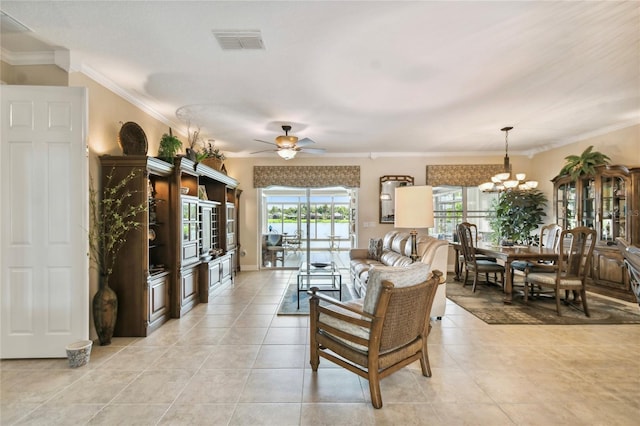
<point>239,40</point>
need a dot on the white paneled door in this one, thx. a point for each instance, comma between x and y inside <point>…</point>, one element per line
<point>44,277</point>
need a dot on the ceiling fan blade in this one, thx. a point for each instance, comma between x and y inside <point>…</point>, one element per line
<point>313,150</point>
<point>304,142</point>
<point>270,143</point>
<point>264,150</point>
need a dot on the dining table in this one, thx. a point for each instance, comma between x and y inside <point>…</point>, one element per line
<point>507,255</point>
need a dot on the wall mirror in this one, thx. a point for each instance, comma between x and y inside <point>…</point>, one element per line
<point>388,185</point>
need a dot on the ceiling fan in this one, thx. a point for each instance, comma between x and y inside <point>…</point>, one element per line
<point>288,146</point>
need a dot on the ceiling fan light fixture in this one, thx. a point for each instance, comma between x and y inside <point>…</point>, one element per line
<point>287,153</point>
<point>286,141</point>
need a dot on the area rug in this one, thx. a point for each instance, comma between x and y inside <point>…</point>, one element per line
<point>486,304</point>
<point>289,304</point>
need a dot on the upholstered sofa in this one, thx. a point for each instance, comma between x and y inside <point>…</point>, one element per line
<point>394,251</point>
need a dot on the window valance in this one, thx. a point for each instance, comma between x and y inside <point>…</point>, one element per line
<point>306,176</point>
<point>461,174</point>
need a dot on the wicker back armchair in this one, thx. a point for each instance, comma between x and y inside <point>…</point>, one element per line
<point>378,338</point>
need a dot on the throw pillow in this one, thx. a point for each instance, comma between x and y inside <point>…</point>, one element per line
<point>375,248</point>
<point>400,277</point>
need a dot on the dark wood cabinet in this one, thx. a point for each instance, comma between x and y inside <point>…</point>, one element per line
<point>186,246</point>
<point>141,275</point>
<point>609,203</point>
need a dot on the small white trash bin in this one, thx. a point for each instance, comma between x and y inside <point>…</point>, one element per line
<point>79,352</point>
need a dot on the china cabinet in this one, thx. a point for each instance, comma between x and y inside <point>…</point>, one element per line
<point>607,202</point>
<point>142,273</point>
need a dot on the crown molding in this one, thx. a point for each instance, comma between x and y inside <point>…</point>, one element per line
<point>28,58</point>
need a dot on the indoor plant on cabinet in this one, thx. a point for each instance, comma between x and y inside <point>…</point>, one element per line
<point>113,215</point>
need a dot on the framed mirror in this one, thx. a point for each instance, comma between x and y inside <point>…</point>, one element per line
<point>388,185</point>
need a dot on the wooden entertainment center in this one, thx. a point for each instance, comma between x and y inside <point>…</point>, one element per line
<point>187,244</point>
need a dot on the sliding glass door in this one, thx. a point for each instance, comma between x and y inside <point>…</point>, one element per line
<point>300,224</point>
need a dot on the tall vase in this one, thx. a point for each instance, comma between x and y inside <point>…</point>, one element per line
<point>105,311</point>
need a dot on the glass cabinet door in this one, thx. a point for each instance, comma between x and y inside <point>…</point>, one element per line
<point>613,208</point>
<point>567,208</point>
<point>588,217</point>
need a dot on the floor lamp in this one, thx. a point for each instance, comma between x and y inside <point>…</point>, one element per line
<point>414,209</point>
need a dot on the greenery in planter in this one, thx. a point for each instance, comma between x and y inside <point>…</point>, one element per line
<point>208,151</point>
<point>169,146</point>
<point>517,214</point>
<point>113,215</point>
<point>584,164</point>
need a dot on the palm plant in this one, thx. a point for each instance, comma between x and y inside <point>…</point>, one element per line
<point>584,164</point>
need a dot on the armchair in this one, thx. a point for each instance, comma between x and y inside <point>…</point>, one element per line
<point>385,333</point>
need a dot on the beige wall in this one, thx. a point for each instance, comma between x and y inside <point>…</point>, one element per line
<point>33,75</point>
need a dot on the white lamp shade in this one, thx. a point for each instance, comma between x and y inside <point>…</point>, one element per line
<point>414,207</point>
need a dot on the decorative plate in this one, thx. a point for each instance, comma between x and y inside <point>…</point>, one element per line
<point>132,139</point>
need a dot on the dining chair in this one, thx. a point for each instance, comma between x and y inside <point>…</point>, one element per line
<point>549,237</point>
<point>385,333</point>
<point>573,266</point>
<point>473,262</point>
<point>474,239</point>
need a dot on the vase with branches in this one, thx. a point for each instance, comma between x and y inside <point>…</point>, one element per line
<point>114,213</point>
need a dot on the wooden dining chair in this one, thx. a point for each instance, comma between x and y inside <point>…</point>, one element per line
<point>573,266</point>
<point>474,240</point>
<point>549,237</point>
<point>472,262</point>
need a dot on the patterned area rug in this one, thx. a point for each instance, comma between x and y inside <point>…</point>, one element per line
<point>289,304</point>
<point>486,304</point>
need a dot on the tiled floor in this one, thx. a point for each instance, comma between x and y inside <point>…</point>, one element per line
<point>234,362</point>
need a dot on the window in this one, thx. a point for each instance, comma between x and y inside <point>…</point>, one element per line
<point>455,204</point>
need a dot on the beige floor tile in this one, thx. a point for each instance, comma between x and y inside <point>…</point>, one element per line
<point>337,414</point>
<point>202,336</point>
<point>129,414</point>
<point>12,412</point>
<point>198,415</point>
<point>133,358</point>
<point>244,336</point>
<point>301,321</point>
<point>267,414</point>
<point>98,386</point>
<point>406,414</point>
<point>286,336</point>
<point>472,414</point>
<point>36,386</point>
<point>253,320</point>
<point>231,357</point>
<point>332,385</point>
<point>273,385</point>
<point>61,414</point>
<point>280,356</point>
<point>155,387</point>
<point>451,385</point>
<point>183,357</point>
<point>214,386</point>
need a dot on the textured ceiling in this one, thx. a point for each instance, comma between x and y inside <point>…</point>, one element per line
<point>366,78</point>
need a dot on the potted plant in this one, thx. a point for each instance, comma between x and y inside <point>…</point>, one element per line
<point>113,215</point>
<point>584,164</point>
<point>517,214</point>
<point>211,156</point>
<point>169,146</point>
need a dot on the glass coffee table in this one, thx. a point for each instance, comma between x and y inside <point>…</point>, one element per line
<point>324,276</point>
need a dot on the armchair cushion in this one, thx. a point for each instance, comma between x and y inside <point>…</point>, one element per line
<point>400,276</point>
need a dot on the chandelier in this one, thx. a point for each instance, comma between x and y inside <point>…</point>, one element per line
<point>505,180</point>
